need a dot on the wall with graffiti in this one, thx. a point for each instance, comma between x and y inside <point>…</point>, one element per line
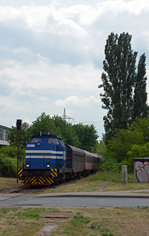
<point>141,170</point>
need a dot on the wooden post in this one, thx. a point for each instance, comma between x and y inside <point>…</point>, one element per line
<point>124,174</point>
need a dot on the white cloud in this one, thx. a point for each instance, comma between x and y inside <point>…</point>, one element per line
<point>43,75</point>
<point>49,52</point>
<point>9,103</point>
<point>77,101</point>
<point>58,19</point>
<point>118,6</point>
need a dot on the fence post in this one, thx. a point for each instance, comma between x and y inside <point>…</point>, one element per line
<point>124,174</point>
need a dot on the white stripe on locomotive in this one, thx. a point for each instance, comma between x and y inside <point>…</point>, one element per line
<point>44,151</point>
<point>46,157</point>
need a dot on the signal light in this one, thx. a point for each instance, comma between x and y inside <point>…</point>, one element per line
<point>18,124</point>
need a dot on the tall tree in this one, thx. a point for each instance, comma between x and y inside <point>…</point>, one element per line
<point>118,81</point>
<point>140,95</point>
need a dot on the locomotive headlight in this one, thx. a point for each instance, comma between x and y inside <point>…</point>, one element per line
<point>48,165</point>
<point>27,165</point>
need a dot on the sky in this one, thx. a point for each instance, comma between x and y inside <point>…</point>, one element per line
<point>52,52</point>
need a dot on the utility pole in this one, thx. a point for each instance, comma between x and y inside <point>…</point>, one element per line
<point>18,125</point>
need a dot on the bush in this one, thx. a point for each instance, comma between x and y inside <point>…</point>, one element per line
<point>135,152</point>
<point>109,164</point>
<point>8,167</point>
<point>11,151</point>
<point>8,151</point>
<point>8,160</point>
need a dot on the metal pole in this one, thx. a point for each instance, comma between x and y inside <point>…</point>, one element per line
<point>18,124</point>
<point>18,151</point>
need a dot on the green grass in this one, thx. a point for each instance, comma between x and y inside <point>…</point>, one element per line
<point>94,182</point>
<point>86,184</point>
<point>79,219</point>
<point>29,213</point>
<point>110,176</point>
<point>22,221</point>
<point>106,176</point>
<point>105,222</point>
<point>87,222</point>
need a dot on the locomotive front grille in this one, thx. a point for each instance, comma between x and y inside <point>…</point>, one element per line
<point>37,177</point>
<point>38,180</point>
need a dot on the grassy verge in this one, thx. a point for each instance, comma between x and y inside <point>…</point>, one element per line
<point>95,181</point>
<point>6,183</point>
<point>86,184</point>
<point>87,222</point>
<point>20,222</point>
<point>106,222</point>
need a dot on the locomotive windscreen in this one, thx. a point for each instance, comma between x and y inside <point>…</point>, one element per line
<point>36,140</point>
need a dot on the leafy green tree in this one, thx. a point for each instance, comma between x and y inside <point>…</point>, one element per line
<point>122,142</point>
<point>54,125</point>
<point>135,152</point>
<point>130,143</point>
<point>24,135</point>
<point>83,136</point>
<point>43,124</point>
<point>68,134</point>
<point>140,95</point>
<point>141,125</point>
<point>100,148</point>
<point>87,136</point>
<point>76,135</point>
<point>118,81</point>
<point>139,151</point>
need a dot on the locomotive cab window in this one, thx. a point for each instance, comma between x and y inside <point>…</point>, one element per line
<point>36,140</point>
<point>61,142</point>
<point>53,141</point>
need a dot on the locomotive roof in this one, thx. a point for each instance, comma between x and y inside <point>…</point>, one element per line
<point>46,136</point>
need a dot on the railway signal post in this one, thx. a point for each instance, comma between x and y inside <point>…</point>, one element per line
<point>18,125</point>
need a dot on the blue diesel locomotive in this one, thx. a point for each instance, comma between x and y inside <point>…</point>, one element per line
<point>49,161</point>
